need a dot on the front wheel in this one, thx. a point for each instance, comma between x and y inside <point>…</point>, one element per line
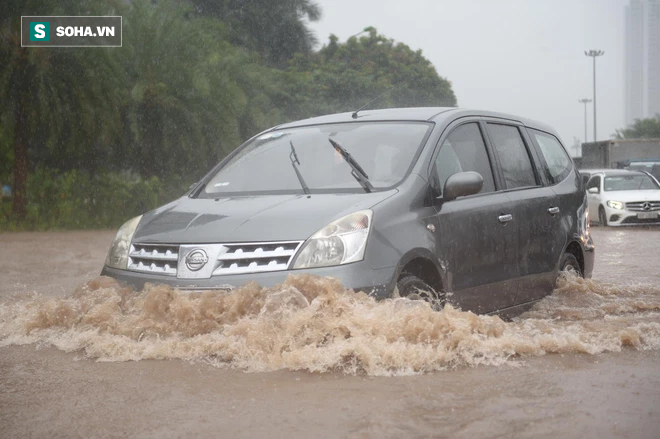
<point>602,217</point>
<point>414,288</point>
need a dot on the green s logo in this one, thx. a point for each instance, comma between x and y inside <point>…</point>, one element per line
<point>39,31</point>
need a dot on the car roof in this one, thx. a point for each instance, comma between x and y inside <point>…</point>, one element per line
<point>618,172</point>
<point>391,114</point>
<point>418,114</point>
<point>594,171</point>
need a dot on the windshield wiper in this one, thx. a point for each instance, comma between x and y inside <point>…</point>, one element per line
<point>357,170</point>
<point>294,159</point>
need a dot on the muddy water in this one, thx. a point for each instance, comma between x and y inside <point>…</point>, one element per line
<point>584,360</point>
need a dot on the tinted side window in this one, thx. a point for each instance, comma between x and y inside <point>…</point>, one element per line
<point>556,159</point>
<point>463,150</point>
<point>594,182</point>
<point>513,155</point>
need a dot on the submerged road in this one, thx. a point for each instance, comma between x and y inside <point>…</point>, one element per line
<point>585,362</point>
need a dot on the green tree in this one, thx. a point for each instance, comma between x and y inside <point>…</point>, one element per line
<point>277,30</point>
<point>641,129</point>
<point>345,76</point>
<point>53,98</point>
<point>192,96</point>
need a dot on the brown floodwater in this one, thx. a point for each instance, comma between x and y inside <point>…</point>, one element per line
<point>82,356</point>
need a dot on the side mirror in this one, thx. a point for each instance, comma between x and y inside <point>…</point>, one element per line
<point>462,184</point>
<point>593,190</point>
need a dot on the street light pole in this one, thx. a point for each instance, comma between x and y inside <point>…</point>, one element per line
<point>585,101</point>
<point>366,29</point>
<point>594,54</point>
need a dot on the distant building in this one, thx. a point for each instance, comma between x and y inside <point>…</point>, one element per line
<point>642,59</point>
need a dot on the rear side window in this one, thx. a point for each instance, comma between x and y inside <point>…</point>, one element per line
<point>463,150</point>
<point>558,164</point>
<point>514,157</point>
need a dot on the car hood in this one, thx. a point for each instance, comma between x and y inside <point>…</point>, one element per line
<point>249,219</point>
<point>628,196</point>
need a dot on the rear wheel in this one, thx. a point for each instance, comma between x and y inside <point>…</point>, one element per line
<point>414,288</point>
<point>602,216</point>
<point>569,263</point>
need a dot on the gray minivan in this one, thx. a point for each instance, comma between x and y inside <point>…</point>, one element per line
<point>485,206</point>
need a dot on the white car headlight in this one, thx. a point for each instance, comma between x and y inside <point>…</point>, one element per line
<point>118,254</point>
<point>340,242</point>
<point>615,204</point>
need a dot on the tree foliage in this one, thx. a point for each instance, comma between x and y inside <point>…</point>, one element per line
<point>277,30</point>
<point>641,129</point>
<point>345,76</point>
<point>190,92</point>
<point>193,79</point>
<point>54,99</point>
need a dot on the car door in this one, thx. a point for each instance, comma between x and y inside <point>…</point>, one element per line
<point>534,208</point>
<point>476,241</point>
<point>555,168</point>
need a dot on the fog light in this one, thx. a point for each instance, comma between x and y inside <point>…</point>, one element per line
<point>614,218</point>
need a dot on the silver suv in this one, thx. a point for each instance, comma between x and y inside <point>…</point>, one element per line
<point>486,206</point>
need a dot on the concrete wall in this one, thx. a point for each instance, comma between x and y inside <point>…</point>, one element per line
<point>605,154</point>
<point>594,155</point>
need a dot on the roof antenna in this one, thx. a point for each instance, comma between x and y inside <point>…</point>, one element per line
<point>355,113</point>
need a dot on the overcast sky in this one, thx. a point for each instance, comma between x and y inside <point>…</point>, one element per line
<point>524,57</point>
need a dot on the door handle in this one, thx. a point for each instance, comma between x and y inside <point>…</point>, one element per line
<point>505,218</point>
<point>553,211</point>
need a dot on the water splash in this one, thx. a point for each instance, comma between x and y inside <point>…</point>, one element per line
<point>314,324</point>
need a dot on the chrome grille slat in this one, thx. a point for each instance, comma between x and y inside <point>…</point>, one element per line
<point>256,255</point>
<point>153,257</point>
<point>638,206</point>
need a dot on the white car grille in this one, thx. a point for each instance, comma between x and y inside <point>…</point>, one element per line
<point>643,206</point>
<point>225,259</point>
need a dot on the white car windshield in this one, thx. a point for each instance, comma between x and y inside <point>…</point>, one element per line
<point>284,161</point>
<point>630,183</point>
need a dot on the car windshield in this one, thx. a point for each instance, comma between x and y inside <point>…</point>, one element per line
<point>268,164</point>
<point>630,183</point>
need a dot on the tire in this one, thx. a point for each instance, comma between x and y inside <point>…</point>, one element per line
<point>602,217</point>
<point>414,288</point>
<point>569,263</point>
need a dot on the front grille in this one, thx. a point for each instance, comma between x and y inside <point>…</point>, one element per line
<point>641,206</point>
<point>635,220</point>
<point>154,258</point>
<point>240,258</point>
<point>252,258</point>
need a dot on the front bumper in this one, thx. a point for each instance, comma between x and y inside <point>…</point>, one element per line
<point>625,217</point>
<point>589,254</point>
<point>358,276</point>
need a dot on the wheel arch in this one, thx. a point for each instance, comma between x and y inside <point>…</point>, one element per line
<point>423,264</point>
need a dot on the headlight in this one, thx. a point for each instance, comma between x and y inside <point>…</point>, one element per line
<point>118,254</point>
<point>586,215</point>
<point>340,242</point>
<point>615,205</point>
